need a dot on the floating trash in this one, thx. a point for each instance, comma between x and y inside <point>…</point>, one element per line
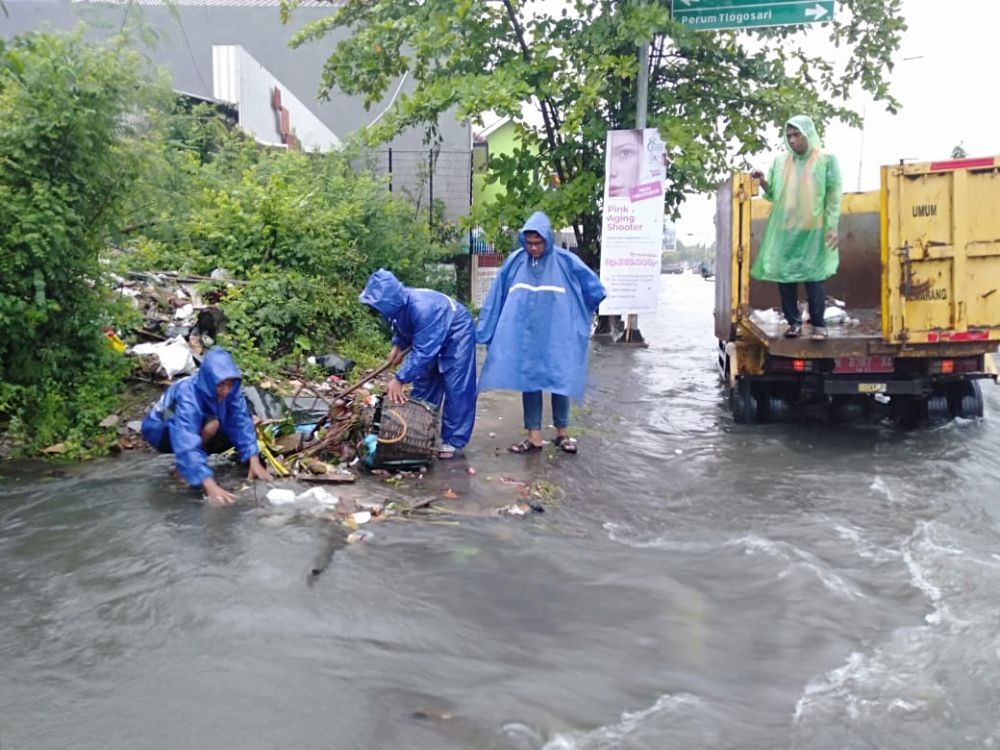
<point>279,496</point>
<point>318,496</point>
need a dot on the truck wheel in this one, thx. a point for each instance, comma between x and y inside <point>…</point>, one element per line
<point>938,408</point>
<point>966,399</point>
<point>779,406</point>
<point>743,402</point>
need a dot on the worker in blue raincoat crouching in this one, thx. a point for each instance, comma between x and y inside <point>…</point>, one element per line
<point>441,363</point>
<point>202,414</point>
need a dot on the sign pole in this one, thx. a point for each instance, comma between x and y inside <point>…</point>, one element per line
<point>632,333</point>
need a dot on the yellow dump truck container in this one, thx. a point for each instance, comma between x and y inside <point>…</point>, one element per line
<point>920,281</point>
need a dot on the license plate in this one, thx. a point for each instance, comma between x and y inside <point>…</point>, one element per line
<point>863,364</point>
<point>872,387</point>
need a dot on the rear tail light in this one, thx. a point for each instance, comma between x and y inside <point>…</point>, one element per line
<point>786,364</point>
<point>954,366</point>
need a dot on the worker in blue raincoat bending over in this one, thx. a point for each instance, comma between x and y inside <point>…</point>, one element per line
<point>202,414</point>
<point>536,322</point>
<point>441,363</point>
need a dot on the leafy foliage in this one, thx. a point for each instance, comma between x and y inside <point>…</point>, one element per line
<point>712,95</point>
<point>70,154</point>
<point>305,232</point>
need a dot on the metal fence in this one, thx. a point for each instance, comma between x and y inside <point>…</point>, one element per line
<point>430,176</point>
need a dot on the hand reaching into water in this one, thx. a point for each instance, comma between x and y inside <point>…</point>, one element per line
<point>215,494</point>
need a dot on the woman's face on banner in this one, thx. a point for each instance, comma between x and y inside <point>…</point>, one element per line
<point>626,160</point>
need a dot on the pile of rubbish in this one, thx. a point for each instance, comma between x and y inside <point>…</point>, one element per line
<point>312,432</point>
<point>312,438</point>
<point>180,318</point>
<point>835,314</point>
<point>303,428</point>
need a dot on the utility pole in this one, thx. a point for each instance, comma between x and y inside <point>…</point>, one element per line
<point>632,333</point>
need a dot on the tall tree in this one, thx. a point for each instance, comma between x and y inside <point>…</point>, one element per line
<point>714,96</point>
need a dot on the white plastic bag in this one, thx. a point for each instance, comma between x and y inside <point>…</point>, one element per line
<point>174,354</point>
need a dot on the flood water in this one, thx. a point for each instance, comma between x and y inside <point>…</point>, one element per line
<point>696,584</point>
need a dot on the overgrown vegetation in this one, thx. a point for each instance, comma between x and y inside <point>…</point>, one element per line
<point>101,171</point>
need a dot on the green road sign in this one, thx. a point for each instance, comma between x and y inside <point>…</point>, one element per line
<point>710,15</point>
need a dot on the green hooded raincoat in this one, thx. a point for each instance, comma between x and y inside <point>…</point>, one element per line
<point>805,192</point>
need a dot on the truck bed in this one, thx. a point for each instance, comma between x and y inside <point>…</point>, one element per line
<point>862,340</point>
<point>859,340</point>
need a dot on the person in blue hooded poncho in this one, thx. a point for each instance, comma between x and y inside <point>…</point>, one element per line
<point>536,323</point>
<point>206,413</point>
<point>441,363</point>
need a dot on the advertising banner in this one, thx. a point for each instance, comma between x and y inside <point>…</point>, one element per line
<point>632,221</point>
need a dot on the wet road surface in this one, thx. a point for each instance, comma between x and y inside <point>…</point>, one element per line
<point>692,584</point>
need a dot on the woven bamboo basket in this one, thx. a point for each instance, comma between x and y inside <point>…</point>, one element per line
<point>406,433</point>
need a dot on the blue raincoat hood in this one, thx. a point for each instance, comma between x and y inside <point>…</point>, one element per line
<point>385,293</point>
<point>540,224</point>
<point>217,365</point>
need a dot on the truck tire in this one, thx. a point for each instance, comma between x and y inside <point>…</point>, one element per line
<point>777,405</point>
<point>938,408</point>
<point>743,402</point>
<point>966,399</point>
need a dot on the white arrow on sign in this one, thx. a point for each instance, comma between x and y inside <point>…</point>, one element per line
<point>816,12</point>
<point>688,2</point>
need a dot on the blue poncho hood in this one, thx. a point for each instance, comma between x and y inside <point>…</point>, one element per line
<point>217,365</point>
<point>385,293</point>
<point>539,224</point>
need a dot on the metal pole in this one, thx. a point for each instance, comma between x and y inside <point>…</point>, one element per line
<point>472,257</point>
<point>632,334</point>
<point>390,169</point>
<point>643,92</point>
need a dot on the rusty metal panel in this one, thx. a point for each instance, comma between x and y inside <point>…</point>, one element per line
<point>858,281</point>
<point>732,254</point>
<point>724,304</point>
<point>942,251</point>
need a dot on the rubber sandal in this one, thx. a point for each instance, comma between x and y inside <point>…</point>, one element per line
<point>447,454</point>
<point>566,443</point>
<point>525,446</point>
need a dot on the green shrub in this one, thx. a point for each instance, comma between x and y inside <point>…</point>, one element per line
<point>71,116</point>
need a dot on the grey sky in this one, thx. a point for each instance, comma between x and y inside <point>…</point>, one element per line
<point>947,92</point>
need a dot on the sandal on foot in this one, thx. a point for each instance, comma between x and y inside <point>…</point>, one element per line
<point>525,446</point>
<point>447,452</point>
<point>566,443</point>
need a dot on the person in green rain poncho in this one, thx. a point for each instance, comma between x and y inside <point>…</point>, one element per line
<point>800,243</point>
